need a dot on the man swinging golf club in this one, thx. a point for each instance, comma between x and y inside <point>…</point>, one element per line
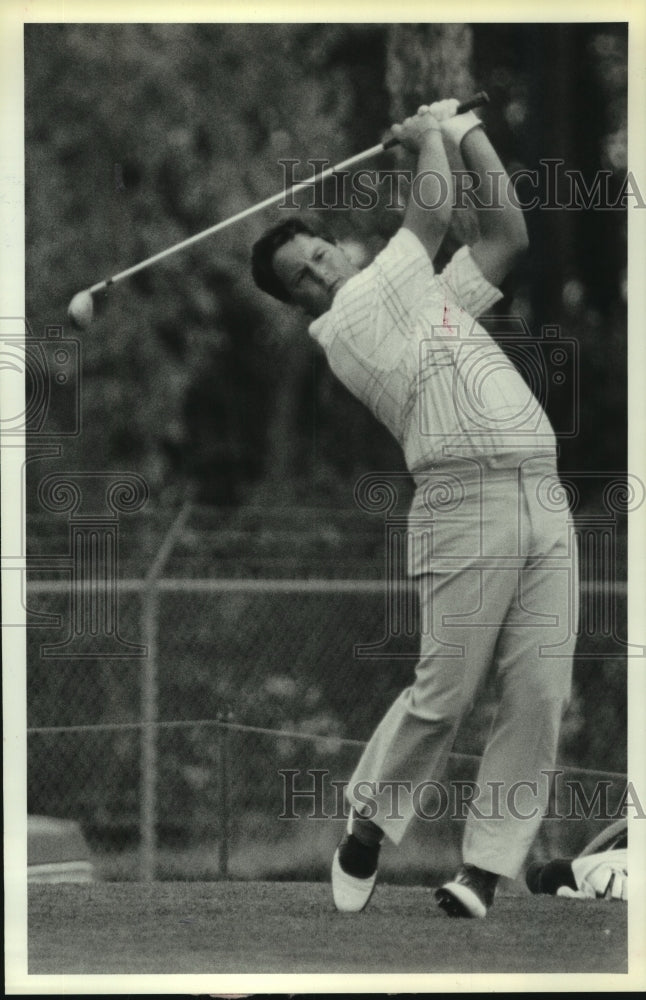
<point>493,560</point>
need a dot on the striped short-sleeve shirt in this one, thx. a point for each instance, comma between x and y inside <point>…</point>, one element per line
<point>407,343</point>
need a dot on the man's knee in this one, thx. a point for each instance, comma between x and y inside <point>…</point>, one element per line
<point>444,706</point>
<point>546,690</point>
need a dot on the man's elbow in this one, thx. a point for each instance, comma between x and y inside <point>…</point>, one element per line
<point>497,257</point>
<point>429,227</point>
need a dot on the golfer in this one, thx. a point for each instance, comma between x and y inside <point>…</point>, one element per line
<point>490,548</point>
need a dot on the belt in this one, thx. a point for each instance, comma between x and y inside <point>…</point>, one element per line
<point>474,466</point>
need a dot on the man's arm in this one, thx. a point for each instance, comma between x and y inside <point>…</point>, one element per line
<point>503,234</point>
<point>422,134</point>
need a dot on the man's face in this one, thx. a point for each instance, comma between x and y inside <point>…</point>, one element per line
<point>312,270</point>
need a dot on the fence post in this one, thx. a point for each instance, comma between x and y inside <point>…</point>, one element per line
<point>223,781</point>
<point>148,815</point>
<point>149,703</point>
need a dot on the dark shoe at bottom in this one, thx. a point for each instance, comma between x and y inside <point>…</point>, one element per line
<point>470,894</point>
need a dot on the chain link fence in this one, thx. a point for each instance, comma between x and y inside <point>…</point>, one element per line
<point>219,745</point>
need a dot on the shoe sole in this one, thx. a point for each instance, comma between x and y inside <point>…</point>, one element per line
<point>458,900</point>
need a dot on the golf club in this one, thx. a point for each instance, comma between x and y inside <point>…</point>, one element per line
<point>81,308</point>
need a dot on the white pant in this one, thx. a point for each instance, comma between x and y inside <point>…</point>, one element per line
<point>497,576</point>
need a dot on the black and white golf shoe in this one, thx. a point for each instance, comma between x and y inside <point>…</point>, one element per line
<point>469,894</point>
<point>354,873</point>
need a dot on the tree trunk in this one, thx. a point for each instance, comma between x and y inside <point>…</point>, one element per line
<point>284,439</point>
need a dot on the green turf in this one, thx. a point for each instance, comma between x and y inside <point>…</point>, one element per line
<point>269,927</point>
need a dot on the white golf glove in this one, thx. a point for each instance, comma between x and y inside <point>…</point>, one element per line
<point>599,876</point>
<point>454,127</point>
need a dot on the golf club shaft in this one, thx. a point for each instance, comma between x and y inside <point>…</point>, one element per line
<point>474,102</point>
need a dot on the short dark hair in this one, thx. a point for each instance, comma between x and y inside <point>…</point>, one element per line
<point>262,254</point>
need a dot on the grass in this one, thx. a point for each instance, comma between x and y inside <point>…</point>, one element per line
<point>301,858</point>
<point>291,927</point>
